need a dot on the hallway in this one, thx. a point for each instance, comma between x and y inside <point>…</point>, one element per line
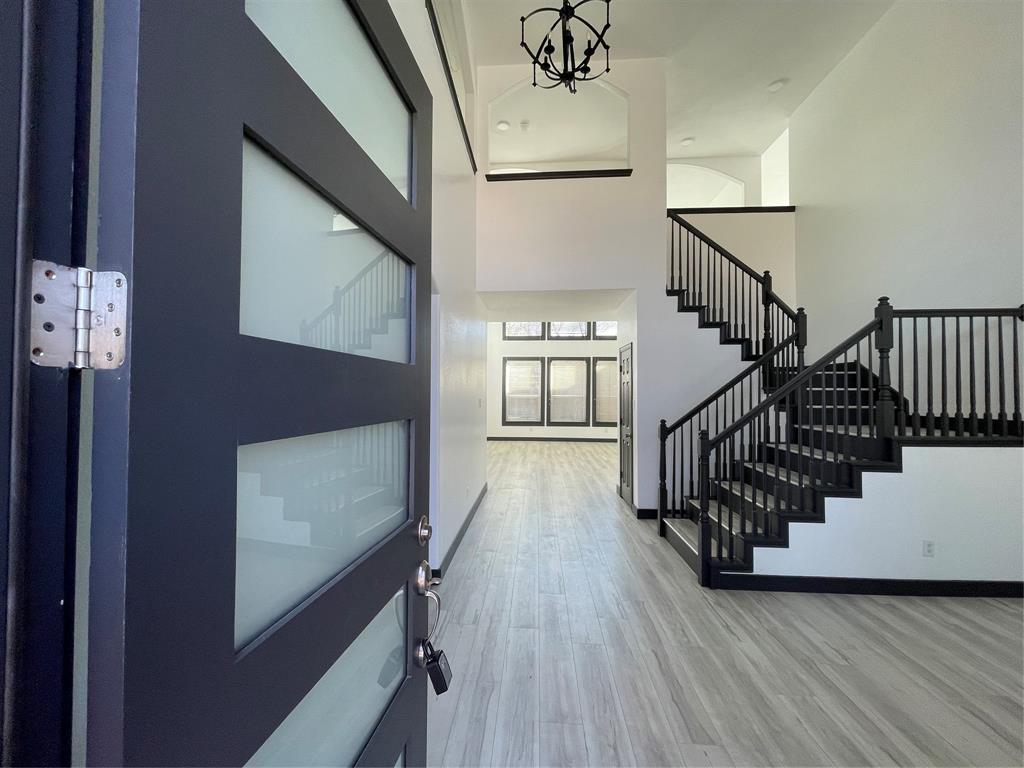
<point>577,637</point>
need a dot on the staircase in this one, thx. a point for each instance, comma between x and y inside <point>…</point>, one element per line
<point>362,310</point>
<point>768,447</point>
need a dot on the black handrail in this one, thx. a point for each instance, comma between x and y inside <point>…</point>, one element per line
<point>1017,312</point>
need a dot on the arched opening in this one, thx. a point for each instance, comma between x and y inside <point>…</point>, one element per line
<point>696,186</point>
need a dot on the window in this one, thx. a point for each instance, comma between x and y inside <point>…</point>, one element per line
<point>522,386</point>
<point>522,331</point>
<point>579,331</point>
<point>605,401</point>
<point>606,329</point>
<point>568,391</point>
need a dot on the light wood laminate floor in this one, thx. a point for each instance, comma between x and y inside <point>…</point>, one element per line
<point>578,637</point>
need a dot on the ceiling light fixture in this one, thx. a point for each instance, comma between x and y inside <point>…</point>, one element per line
<point>687,141</point>
<point>503,125</point>
<point>558,63</point>
<point>777,86</point>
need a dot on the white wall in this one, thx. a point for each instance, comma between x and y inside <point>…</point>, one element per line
<point>966,500</point>
<point>461,424</point>
<point>906,168</point>
<point>497,348</point>
<point>775,172</point>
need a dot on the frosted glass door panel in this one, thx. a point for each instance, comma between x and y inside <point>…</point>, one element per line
<point>310,275</point>
<point>308,507</point>
<point>326,46</point>
<point>567,392</point>
<point>334,721</point>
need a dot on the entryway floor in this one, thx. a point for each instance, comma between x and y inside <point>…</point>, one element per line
<point>578,637</point>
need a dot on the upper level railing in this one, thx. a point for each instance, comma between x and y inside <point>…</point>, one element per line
<point>704,274</point>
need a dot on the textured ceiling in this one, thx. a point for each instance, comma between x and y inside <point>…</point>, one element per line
<point>721,56</point>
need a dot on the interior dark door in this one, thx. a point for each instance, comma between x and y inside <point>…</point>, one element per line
<point>261,460</point>
<point>626,423</point>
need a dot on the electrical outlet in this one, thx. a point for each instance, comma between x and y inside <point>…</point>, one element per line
<point>927,548</point>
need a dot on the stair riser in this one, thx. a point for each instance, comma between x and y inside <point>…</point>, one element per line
<point>831,397</point>
<point>834,415</point>
<point>831,472</point>
<point>739,546</point>
<point>756,518</point>
<point>796,497</point>
<point>848,445</point>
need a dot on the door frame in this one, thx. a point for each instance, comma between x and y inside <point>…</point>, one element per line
<point>45,75</point>
<point>163,175</point>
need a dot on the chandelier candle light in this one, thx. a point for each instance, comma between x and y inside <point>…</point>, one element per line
<point>546,57</point>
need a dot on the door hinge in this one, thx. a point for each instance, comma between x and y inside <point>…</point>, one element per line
<point>79,317</point>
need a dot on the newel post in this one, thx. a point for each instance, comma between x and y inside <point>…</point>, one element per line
<point>662,475</point>
<point>766,301</point>
<point>704,521</point>
<point>801,337</point>
<point>883,341</point>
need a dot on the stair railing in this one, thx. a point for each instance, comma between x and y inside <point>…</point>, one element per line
<point>679,441</point>
<point>704,274</point>
<point>859,367</point>
<point>955,370</point>
<point>360,308</point>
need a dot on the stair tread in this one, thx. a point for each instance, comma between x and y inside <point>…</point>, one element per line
<point>817,453</point>
<point>760,499</point>
<point>782,473</point>
<point>716,508</point>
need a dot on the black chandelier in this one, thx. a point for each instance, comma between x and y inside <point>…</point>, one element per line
<point>561,66</point>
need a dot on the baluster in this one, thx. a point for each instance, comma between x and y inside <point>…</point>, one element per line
<point>703,524</point>
<point>778,474</point>
<point>901,403</point>
<point>930,417</point>
<point>846,402</point>
<point>871,387</point>
<point>674,508</point>
<point>717,479</point>
<point>1002,378</point>
<point>916,417</point>
<point>971,389</point>
<point>700,271</point>
<point>731,457</point>
<point>959,417</point>
<point>735,301</point>
<point>836,437</point>
<point>688,257</point>
<point>860,393</point>
<point>988,382</point>
<point>1017,419</point>
<point>675,256</point>
<point>766,299</point>
<point>690,484</point>
<point>945,408</point>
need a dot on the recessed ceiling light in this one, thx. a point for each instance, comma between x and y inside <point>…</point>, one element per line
<point>778,85</point>
<point>687,141</point>
<point>503,125</point>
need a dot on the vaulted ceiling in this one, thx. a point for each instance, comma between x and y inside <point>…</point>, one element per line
<point>721,57</point>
